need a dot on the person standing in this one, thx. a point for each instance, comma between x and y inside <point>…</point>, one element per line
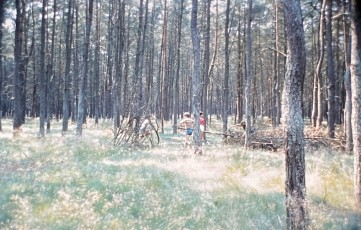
<point>202,126</point>
<point>187,124</point>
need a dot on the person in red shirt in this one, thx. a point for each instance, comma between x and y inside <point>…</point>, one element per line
<point>202,125</point>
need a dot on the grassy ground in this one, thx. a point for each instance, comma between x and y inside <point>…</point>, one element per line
<point>69,183</point>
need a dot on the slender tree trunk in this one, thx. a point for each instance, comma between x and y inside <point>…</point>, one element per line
<point>226,72</point>
<point>319,66</point>
<point>355,68</point>
<point>66,94</point>
<point>249,77</point>
<point>164,65</point>
<point>239,69</point>
<point>43,76</point>
<point>206,61</point>
<point>276,80</point>
<point>84,75</point>
<point>176,80</point>
<point>347,77</point>
<point>2,18</point>
<point>293,121</point>
<point>196,78</point>
<point>137,69</point>
<point>50,73</point>
<point>97,64</point>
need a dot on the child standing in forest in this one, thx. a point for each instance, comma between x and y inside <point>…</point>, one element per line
<point>202,126</point>
<point>187,124</point>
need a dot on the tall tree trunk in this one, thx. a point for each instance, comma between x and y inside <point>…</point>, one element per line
<point>20,66</point>
<point>239,69</point>
<point>68,43</point>
<point>50,73</point>
<point>2,18</point>
<point>330,73</point>
<point>138,86</point>
<point>84,74</point>
<point>347,76</point>
<point>196,78</point>
<point>249,77</point>
<point>276,99</point>
<point>119,64</point>
<point>164,65</point>
<point>293,121</point>
<point>226,72</point>
<point>355,68</point>
<point>97,64</point>
<point>178,57</point>
<point>206,61</point>
<point>319,66</point>
<point>43,76</point>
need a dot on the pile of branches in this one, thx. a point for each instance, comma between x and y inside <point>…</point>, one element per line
<point>136,132</point>
<point>127,132</point>
<point>272,138</point>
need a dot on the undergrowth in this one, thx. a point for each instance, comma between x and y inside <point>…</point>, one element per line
<point>86,183</point>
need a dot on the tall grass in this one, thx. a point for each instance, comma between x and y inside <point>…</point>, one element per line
<point>86,183</point>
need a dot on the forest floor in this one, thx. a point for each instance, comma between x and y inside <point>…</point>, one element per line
<point>65,182</point>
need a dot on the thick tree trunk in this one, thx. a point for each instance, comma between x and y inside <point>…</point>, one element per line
<point>331,106</point>
<point>20,67</point>
<point>293,121</point>
<point>84,74</point>
<point>196,78</point>
<point>355,68</point>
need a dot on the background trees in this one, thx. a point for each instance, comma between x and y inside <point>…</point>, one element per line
<point>137,59</point>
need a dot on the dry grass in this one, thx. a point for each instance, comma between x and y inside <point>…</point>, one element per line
<point>86,183</point>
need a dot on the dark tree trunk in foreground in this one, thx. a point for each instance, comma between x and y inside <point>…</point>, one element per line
<point>43,76</point>
<point>20,67</point>
<point>67,78</point>
<point>293,121</point>
<point>330,73</point>
<point>84,74</point>
<point>196,78</point>
<point>355,68</point>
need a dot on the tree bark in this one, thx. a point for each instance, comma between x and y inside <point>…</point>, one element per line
<point>196,78</point>
<point>176,80</point>
<point>43,76</point>
<point>355,68</point>
<point>84,74</point>
<point>331,106</point>
<point>319,67</point>
<point>226,72</point>
<point>293,121</point>
<point>249,77</point>
<point>67,78</point>
<point>20,67</point>
<point>2,18</point>
<point>347,77</point>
